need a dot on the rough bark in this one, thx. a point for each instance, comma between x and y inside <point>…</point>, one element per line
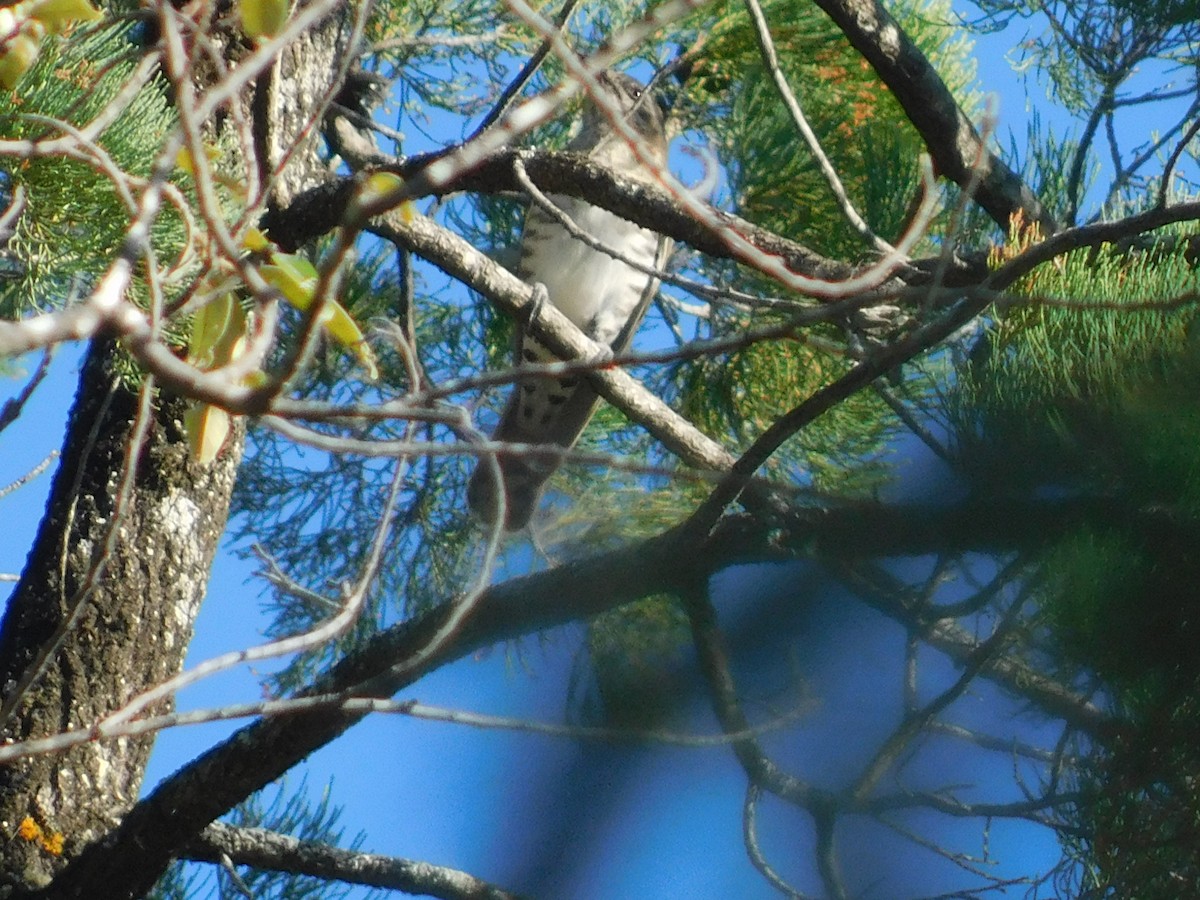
<point>171,817</point>
<point>169,820</point>
<point>138,618</point>
<point>135,617</point>
<point>280,852</point>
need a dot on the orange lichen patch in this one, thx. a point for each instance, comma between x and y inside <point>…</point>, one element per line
<point>50,841</point>
<point>29,830</point>
<point>53,844</point>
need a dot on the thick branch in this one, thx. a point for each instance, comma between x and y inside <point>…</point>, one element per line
<point>320,210</point>
<point>131,858</point>
<point>181,806</point>
<point>459,259</point>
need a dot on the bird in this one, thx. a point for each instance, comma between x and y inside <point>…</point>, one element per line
<point>604,296</point>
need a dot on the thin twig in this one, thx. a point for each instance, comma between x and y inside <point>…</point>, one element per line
<point>767,48</point>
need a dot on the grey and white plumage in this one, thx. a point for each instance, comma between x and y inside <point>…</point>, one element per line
<point>605,297</point>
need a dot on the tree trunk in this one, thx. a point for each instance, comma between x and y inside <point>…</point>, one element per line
<point>133,606</point>
<point>137,601</point>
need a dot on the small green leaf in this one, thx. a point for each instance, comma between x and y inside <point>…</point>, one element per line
<point>218,338</point>
<point>379,187</point>
<point>296,278</point>
<point>207,428</point>
<point>293,276</point>
<point>216,329</point>
<point>263,18</point>
<point>343,329</point>
<point>19,56</point>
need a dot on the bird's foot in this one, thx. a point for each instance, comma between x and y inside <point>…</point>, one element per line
<point>537,302</point>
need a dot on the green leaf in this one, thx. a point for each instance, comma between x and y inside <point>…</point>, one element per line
<point>263,18</point>
<point>216,330</point>
<point>296,278</point>
<point>58,15</point>
<point>18,58</point>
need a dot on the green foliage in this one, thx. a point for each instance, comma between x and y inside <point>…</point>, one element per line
<point>75,220</point>
<point>1089,384</point>
<point>1048,156</point>
<point>740,395</point>
<point>775,181</point>
<point>871,143</point>
<point>1122,603</point>
<point>1081,378</point>
<point>315,513</point>
<point>634,654</point>
<point>1138,832</point>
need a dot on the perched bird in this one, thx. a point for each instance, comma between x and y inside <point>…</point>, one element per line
<point>602,295</point>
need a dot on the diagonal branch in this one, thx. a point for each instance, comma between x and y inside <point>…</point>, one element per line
<point>130,859</point>
<point>884,593</point>
<point>460,260</point>
<point>958,152</point>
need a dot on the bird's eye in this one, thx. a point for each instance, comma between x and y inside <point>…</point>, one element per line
<point>635,93</point>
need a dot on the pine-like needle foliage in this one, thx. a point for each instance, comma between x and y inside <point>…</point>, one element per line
<point>1090,388</point>
<point>774,180</point>
<point>75,219</point>
<point>279,809</point>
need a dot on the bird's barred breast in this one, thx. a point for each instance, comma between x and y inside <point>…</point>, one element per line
<point>595,291</point>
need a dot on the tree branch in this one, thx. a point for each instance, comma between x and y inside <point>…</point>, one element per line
<point>958,151</point>
<point>459,259</point>
<point>131,858</point>
<point>320,210</point>
<point>265,849</point>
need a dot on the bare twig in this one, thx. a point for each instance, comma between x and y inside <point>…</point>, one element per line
<point>11,410</point>
<point>754,850</point>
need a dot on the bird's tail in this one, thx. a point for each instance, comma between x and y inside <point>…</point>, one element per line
<point>524,473</point>
<point>523,480</point>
